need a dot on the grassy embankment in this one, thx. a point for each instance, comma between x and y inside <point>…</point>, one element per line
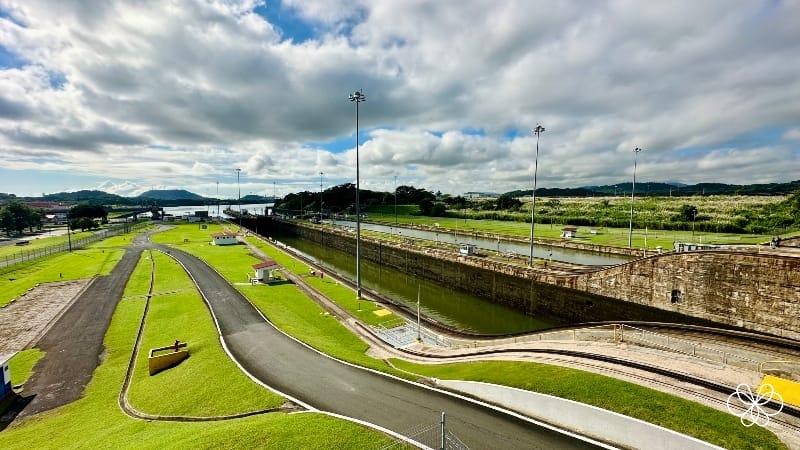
<point>694,419</point>
<point>88,262</point>
<point>299,317</point>
<point>95,421</point>
<point>283,304</point>
<point>177,312</point>
<point>22,363</point>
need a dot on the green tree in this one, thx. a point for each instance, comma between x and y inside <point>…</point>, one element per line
<point>83,224</point>
<point>87,210</point>
<point>506,201</point>
<point>425,207</point>
<point>15,217</point>
<point>35,219</point>
<point>689,212</point>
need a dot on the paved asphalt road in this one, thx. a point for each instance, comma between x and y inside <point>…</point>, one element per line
<point>329,385</point>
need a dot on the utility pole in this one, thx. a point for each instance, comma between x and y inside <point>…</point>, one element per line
<point>358,97</point>
<point>537,131</point>
<point>633,188</point>
<point>240,198</point>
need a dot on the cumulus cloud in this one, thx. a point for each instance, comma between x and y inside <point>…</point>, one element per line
<point>193,89</point>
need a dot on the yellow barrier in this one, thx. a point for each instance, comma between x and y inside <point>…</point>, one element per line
<point>170,356</point>
<point>789,390</point>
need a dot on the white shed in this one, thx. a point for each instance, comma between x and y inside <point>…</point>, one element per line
<point>569,232</point>
<point>265,270</point>
<point>223,238</point>
<point>5,375</point>
<point>467,249</point>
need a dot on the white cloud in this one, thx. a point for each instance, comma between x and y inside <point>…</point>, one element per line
<point>195,89</point>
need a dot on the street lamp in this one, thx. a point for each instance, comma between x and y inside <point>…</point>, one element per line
<point>320,195</point>
<point>239,186</point>
<point>538,130</point>
<point>358,97</point>
<point>395,199</point>
<point>633,188</point>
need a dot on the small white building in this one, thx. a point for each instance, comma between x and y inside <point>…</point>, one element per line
<point>5,375</point>
<point>223,238</point>
<point>265,270</point>
<point>569,232</point>
<point>467,249</point>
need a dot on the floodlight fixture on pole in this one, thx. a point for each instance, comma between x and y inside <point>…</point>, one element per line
<point>358,97</point>
<point>537,131</point>
<point>239,186</point>
<point>633,188</point>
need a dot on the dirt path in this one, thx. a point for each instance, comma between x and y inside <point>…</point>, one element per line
<point>28,317</point>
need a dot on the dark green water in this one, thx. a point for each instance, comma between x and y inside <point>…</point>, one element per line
<point>455,308</point>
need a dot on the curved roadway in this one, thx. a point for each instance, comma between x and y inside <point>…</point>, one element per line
<point>329,385</point>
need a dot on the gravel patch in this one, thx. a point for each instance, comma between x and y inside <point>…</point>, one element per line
<point>26,319</point>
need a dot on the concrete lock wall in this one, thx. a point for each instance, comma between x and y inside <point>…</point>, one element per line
<point>751,291</point>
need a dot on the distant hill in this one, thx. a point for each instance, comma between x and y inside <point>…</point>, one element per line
<point>250,198</point>
<point>665,189</point>
<point>170,195</point>
<point>98,197</point>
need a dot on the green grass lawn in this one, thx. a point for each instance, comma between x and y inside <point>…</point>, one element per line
<point>614,237</point>
<point>208,383</point>
<point>688,417</point>
<point>340,294</point>
<point>96,421</point>
<point>294,313</point>
<point>38,244</point>
<point>80,264</point>
<point>22,363</point>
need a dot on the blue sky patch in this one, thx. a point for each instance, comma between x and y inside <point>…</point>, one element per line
<point>9,60</point>
<point>343,143</point>
<point>286,19</point>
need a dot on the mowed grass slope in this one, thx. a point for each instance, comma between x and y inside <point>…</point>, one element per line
<point>79,264</point>
<point>96,421</point>
<point>283,304</point>
<point>685,416</point>
<point>208,383</point>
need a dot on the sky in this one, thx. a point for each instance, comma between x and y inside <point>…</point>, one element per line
<point>127,96</point>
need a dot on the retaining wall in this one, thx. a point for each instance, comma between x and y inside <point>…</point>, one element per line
<point>758,292</point>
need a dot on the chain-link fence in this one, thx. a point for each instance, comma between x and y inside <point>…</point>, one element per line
<point>23,256</point>
<point>429,436</point>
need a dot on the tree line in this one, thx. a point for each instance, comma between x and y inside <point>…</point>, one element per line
<point>16,216</point>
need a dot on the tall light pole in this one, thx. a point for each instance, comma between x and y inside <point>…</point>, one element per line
<point>537,131</point>
<point>320,195</point>
<point>633,188</point>
<point>395,199</point>
<point>358,97</point>
<point>239,186</point>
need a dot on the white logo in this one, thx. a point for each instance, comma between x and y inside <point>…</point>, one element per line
<point>753,403</point>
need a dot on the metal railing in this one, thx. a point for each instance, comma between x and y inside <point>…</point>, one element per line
<point>30,255</point>
<point>401,333</point>
<point>643,337</point>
